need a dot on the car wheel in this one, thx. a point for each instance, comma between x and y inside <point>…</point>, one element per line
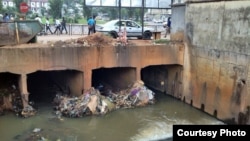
<point>113,34</point>
<point>147,35</point>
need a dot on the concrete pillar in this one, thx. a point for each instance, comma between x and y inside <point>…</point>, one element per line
<point>24,90</point>
<point>75,83</point>
<point>87,79</point>
<point>138,73</point>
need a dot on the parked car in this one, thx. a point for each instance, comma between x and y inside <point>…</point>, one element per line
<point>158,21</point>
<point>133,29</point>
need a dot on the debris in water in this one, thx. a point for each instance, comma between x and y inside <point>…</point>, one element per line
<point>37,130</point>
<point>28,111</point>
<point>11,100</point>
<point>93,103</point>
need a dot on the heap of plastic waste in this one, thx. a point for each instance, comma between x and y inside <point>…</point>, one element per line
<point>93,103</point>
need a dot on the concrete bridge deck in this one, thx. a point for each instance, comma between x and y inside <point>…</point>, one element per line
<point>27,59</point>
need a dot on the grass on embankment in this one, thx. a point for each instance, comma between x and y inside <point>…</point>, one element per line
<point>162,41</point>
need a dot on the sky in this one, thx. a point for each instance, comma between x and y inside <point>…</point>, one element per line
<point>133,3</point>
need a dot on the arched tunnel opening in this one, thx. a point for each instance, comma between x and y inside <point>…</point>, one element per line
<point>114,79</point>
<point>43,86</point>
<point>8,87</point>
<point>164,78</point>
<point>8,80</point>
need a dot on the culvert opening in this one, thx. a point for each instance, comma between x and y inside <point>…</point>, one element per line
<point>8,86</point>
<point>113,79</point>
<point>8,80</point>
<point>164,78</point>
<point>43,86</point>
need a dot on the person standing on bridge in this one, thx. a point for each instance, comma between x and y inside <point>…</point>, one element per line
<point>58,26</point>
<point>94,24</point>
<point>91,24</point>
<point>38,19</point>
<point>47,25</point>
<point>168,26</point>
<point>6,17</point>
<point>63,26</point>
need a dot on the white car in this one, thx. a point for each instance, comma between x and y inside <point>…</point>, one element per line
<point>158,21</point>
<point>133,29</point>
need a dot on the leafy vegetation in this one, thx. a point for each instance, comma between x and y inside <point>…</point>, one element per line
<point>55,8</point>
<point>162,41</point>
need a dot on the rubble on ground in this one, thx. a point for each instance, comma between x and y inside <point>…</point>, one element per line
<point>93,103</point>
<point>95,40</point>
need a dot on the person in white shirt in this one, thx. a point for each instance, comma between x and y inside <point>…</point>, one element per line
<point>47,25</point>
<point>39,19</point>
<point>58,26</point>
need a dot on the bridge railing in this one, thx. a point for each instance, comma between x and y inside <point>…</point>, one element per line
<point>82,29</point>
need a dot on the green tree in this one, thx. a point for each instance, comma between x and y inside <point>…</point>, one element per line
<point>17,4</point>
<point>86,10</point>
<point>124,13</point>
<point>1,6</point>
<point>114,13</point>
<point>10,10</point>
<point>55,8</point>
<point>130,12</point>
<point>138,13</point>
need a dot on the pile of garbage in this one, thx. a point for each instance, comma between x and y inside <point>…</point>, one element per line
<point>93,40</point>
<point>93,103</point>
<point>11,100</point>
<point>97,39</point>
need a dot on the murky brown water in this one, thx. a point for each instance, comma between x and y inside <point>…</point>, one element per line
<point>153,122</point>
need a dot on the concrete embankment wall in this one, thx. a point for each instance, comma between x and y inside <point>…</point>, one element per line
<point>217,58</point>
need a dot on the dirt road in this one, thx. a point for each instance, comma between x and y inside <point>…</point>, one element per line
<point>46,38</point>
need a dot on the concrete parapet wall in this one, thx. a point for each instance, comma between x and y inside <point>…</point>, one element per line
<point>30,59</point>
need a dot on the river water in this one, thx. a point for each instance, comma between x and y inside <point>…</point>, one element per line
<point>150,123</point>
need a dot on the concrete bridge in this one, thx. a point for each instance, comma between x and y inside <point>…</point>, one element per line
<point>213,49</point>
<point>74,68</point>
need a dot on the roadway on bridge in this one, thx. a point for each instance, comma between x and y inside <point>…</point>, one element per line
<point>62,37</point>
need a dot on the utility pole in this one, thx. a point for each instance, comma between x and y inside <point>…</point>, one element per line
<point>142,17</point>
<point>119,15</point>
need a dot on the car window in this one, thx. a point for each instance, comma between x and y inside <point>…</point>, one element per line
<point>110,23</point>
<point>129,24</point>
<point>117,23</point>
<point>135,24</point>
<point>122,23</point>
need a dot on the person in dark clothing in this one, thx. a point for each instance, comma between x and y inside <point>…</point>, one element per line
<point>63,26</point>
<point>168,26</point>
<point>6,17</point>
<point>169,22</point>
<point>94,24</point>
